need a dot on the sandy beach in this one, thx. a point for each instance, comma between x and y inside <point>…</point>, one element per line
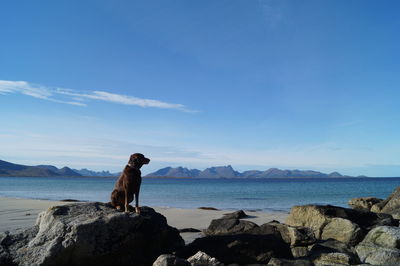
<point>21,213</point>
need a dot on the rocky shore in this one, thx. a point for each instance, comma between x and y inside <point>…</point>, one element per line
<point>93,233</point>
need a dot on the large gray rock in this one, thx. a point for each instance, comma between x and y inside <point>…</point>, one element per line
<point>364,203</point>
<point>226,226</point>
<point>92,234</point>
<point>381,246</point>
<point>384,236</point>
<point>377,255</point>
<point>391,205</point>
<point>333,252</point>
<point>343,224</point>
<point>343,230</point>
<point>293,235</point>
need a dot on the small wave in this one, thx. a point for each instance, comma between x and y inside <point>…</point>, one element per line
<point>276,210</point>
<point>251,199</point>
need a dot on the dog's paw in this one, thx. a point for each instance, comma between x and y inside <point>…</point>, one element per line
<point>118,208</point>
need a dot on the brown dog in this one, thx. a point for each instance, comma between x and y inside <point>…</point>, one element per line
<point>128,184</point>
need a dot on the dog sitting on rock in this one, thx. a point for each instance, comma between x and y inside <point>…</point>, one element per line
<point>128,184</point>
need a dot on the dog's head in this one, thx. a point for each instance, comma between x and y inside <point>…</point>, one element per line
<point>138,159</point>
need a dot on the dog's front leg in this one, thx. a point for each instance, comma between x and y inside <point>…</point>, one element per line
<point>126,201</point>
<point>137,203</point>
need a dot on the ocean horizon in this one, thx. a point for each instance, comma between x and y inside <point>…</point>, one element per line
<point>278,194</point>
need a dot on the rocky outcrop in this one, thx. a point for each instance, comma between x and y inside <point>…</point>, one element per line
<point>346,225</point>
<point>364,203</point>
<point>91,234</point>
<point>391,205</point>
<point>96,234</point>
<point>313,235</point>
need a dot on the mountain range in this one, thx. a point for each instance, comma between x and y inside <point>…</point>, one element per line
<point>12,169</point>
<point>229,172</point>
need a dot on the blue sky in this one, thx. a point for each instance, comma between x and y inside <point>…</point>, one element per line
<point>255,84</point>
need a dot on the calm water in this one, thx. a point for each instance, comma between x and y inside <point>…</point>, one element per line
<point>250,194</point>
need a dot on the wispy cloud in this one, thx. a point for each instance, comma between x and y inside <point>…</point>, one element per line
<point>74,97</point>
<point>121,99</point>
<point>36,91</point>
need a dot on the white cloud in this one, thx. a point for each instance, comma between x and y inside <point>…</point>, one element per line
<point>73,97</point>
<point>122,99</point>
<point>23,87</point>
<point>36,91</point>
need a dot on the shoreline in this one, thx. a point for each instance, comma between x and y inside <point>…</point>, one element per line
<point>204,207</point>
<point>19,214</point>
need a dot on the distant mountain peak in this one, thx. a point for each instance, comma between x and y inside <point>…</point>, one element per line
<point>335,174</point>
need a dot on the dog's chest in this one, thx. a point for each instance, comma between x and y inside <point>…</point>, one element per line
<point>134,175</point>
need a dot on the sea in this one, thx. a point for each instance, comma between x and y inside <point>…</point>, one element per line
<point>267,195</point>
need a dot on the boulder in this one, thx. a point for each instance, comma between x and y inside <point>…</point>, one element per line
<point>391,205</point>
<point>236,215</point>
<point>384,236</point>
<point>226,226</point>
<point>92,234</point>
<point>294,236</point>
<point>202,259</point>
<point>381,246</point>
<point>333,252</point>
<point>343,224</point>
<point>240,248</point>
<point>285,262</point>
<point>377,255</point>
<point>170,260</point>
<point>364,203</point>
<point>343,230</point>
